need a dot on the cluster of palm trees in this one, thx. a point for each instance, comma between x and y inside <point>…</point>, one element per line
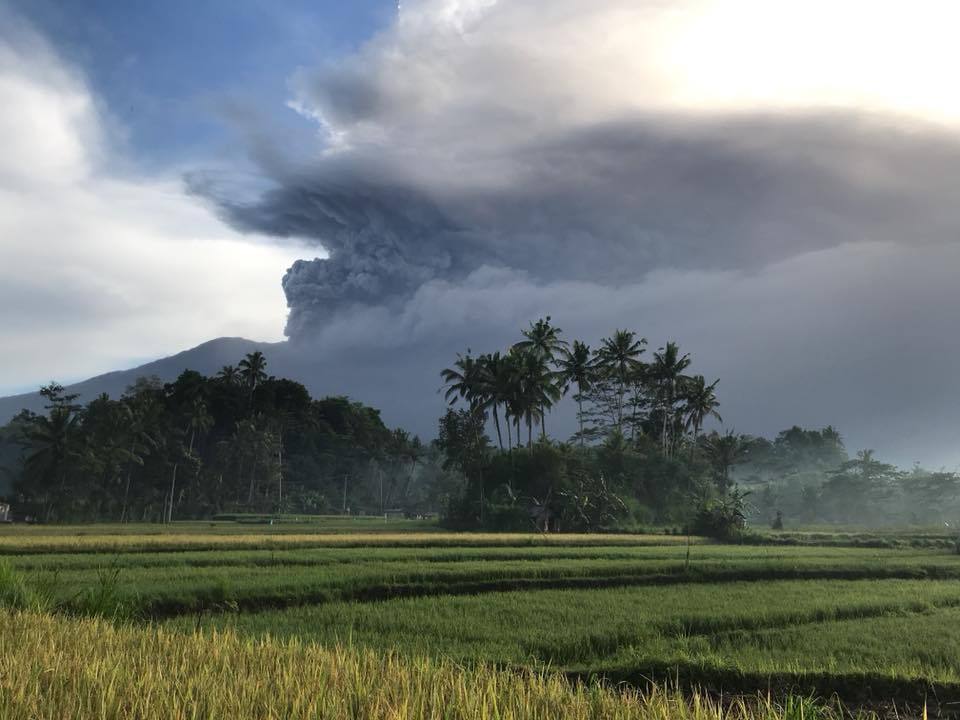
<point>112,453</point>
<point>615,390</point>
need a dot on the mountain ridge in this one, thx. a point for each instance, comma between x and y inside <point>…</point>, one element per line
<point>207,358</point>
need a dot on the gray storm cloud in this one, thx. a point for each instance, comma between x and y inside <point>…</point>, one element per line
<point>480,164</point>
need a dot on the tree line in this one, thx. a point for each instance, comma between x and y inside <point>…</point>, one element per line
<point>239,442</point>
<point>244,441</point>
<point>640,455</point>
<point>614,389</point>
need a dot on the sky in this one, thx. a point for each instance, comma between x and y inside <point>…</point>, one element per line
<point>769,183</point>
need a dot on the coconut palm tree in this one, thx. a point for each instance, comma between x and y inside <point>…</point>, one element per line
<point>253,371</point>
<point>700,402</point>
<point>142,437</point>
<point>494,388</point>
<point>666,371</point>
<point>723,452</point>
<point>542,339</point>
<point>52,441</point>
<point>229,375</point>
<point>576,365</point>
<point>199,422</point>
<point>536,389</point>
<point>464,380</point>
<point>619,359</point>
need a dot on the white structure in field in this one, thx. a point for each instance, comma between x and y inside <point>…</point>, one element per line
<point>4,512</point>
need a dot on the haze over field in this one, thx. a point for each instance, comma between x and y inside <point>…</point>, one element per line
<point>764,182</point>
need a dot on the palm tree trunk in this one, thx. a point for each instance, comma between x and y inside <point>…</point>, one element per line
<point>413,467</point>
<point>543,422</point>
<point>253,478</point>
<point>126,495</point>
<point>580,412</point>
<point>496,424</point>
<point>280,471</point>
<point>173,487</point>
<point>509,432</point>
<point>239,478</point>
<point>529,430</point>
<point>620,392</point>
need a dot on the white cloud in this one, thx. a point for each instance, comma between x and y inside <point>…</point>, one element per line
<point>515,68</point>
<point>97,268</point>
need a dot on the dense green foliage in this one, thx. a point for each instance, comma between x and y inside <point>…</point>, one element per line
<point>640,455</point>
<point>240,442</point>
<point>806,476</point>
<point>244,443</point>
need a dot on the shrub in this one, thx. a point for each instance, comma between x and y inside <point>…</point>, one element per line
<point>723,517</point>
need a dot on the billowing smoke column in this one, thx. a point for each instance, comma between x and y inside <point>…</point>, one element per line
<point>479,164</point>
<point>382,243</point>
<point>607,205</point>
<point>472,134</point>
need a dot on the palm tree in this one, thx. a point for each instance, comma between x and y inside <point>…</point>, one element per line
<point>514,387</point>
<point>52,441</point>
<point>199,422</point>
<point>464,381</point>
<point>619,358</point>
<point>542,339</point>
<point>536,389</point>
<point>495,387</point>
<point>140,416</point>
<point>576,365</point>
<point>253,371</point>
<point>229,375</point>
<point>723,452</point>
<point>700,402</point>
<point>666,370</point>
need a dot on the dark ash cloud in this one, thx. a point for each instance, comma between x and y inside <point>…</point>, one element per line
<point>609,204</point>
<point>473,172</point>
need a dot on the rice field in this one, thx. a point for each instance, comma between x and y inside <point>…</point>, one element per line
<point>874,627</point>
<point>53,667</point>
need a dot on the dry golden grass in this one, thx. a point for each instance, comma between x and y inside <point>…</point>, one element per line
<point>58,542</point>
<point>54,667</point>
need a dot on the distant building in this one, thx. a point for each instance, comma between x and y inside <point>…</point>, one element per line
<point>4,512</point>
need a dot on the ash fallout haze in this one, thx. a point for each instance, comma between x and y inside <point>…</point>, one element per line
<point>372,187</point>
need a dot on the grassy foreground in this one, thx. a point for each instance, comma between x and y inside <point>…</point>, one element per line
<point>53,667</point>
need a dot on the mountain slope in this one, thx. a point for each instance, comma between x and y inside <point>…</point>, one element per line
<point>206,358</point>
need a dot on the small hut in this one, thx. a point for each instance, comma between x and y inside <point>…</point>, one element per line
<point>4,512</point>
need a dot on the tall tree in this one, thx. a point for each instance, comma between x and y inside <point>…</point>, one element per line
<point>494,388</point>
<point>723,452</point>
<point>229,375</point>
<point>619,359</point>
<point>198,422</point>
<point>576,366</point>
<point>537,390</point>
<point>253,371</point>
<point>700,402</point>
<point>142,437</point>
<point>666,371</point>
<point>542,340</point>
<point>52,444</point>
